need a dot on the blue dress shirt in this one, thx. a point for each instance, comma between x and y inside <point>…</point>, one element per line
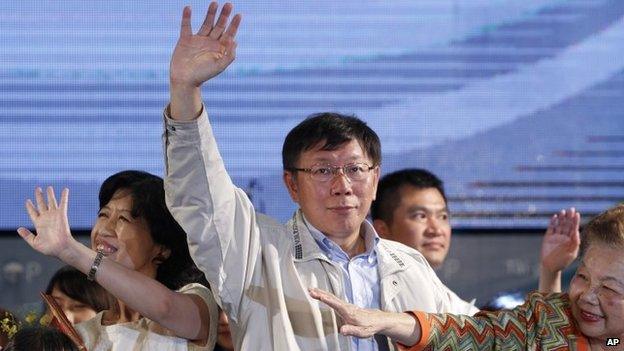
<point>360,274</point>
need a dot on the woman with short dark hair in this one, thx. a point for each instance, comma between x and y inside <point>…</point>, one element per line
<point>139,254</point>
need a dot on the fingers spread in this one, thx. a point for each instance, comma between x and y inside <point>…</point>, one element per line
<point>185,28</point>
<point>232,29</point>
<point>209,20</point>
<point>41,205</point>
<point>64,199</point>
<point>218,29</point>
<point>32,211</point>
<point>51,198</point>
<point>27,235</point>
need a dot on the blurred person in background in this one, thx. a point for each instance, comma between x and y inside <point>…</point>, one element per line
<point>411,207</point>
<point>40,338</point>
<point>224,335</point>
<point>79,298</point>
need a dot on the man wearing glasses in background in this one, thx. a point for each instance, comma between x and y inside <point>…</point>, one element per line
<point>261,270</point>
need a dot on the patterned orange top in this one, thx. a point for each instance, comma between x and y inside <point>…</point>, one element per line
<point>542,323</point>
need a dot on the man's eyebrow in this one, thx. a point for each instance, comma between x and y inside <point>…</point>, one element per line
<point>416,208</point>
<point>330,160</point>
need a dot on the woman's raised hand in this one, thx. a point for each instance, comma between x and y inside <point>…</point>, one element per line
<point>561,242</point>
<point>53,236</point>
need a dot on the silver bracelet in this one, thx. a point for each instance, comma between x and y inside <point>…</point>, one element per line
<point>95,265</point>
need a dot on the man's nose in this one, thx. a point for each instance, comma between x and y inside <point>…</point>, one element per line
<point>433,226</point>
<point>341,184</point>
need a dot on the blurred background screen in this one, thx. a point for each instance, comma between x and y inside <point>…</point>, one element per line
<point>516,104</point>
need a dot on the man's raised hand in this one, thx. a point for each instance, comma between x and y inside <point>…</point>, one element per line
<point>201,56</point>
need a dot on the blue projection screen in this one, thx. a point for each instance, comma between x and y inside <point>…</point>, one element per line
<point>517,104</point>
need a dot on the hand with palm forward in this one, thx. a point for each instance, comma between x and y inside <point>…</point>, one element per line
<point>201,56</point>
<point>53,236</point>
<point>561,242</point>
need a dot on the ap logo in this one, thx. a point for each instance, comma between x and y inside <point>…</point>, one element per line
<point>613,341</point>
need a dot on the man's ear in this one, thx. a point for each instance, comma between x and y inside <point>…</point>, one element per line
<point>376,174</point>
<point>381,228</point>
<point>290,180</point>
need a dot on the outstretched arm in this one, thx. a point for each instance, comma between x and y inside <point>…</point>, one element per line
<point>199,57</point>
<point>184,314</point>
<point>560,248</point>
<point>433,331</point>
<point>365,323</point>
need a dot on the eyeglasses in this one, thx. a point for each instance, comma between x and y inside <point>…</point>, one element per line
<point>323,173</point>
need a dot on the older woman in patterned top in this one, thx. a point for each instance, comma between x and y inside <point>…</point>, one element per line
<point>590,316</point>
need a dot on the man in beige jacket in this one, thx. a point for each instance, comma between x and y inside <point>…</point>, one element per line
<point>259,269</point>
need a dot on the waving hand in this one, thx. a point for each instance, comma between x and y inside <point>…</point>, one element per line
<point>199,57</point>
<point>50,220</point>
<point>559,248</point>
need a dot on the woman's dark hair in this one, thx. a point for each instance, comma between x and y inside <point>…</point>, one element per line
<point>40,339</point>
<point>148,202</point>
<point>75,284</point>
